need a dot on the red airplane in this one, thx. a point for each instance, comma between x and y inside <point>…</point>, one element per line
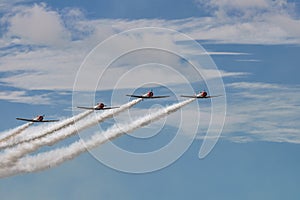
<point>99,106</point>
<point>39,118</point>
<point>200,95</point>
<point>148,95</point>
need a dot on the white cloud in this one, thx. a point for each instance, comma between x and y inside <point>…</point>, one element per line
<point>222,53</point>
<point>270,22</point>
<point>24,97</point>
<point>248,60</point>
<point>255,85</point>
<point>42,69</point>
<point>240,4</point>
<point>268,28</point>
<point>36,25</point>
<point>262,111</point>
<point>248,21</point>
<point>55,68</point>
<point>6,5</point>
<point>255,112</point>
<point>246,8</point>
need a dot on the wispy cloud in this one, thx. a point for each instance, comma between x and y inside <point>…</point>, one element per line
<point>6,5</point>
<point>255,85</point>
<point>226,53</point>
<point>254,22</point>
<point>262,111</point>
<point>248,60</point>
<point>52,57</point>
<point>246,8</point>
<point>52,65</point>
<point>24,97</point>
<point>255,111</point>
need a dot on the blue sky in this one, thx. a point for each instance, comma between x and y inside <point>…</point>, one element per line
<point>255,45</point>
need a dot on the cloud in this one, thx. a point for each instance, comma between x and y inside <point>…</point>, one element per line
<point>40,70</point>
<point>56,68</point>
<point>246,8</point>
<point>267,28</point>
<point>255,111</point>
<point>31,51</point>
<point>262,112</point>
<point>261,22</point>
<point>248,60</point>
<point>222,53</point>
<point>253,22</point>
<point>24,97</point>
<point>36,25</point>
<point>6,5</point>
<point>255,85</point>
<point>251,109</point>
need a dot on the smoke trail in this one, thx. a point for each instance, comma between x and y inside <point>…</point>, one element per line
<point>55,157</point>
<point>14,132</point>
<point>53,128</point>
<point>10,156</point>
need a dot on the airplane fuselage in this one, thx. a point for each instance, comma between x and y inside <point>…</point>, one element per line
<point>39,118</point>
<point>148,94</point>
<point>99,106</point>
<point>202,94</point>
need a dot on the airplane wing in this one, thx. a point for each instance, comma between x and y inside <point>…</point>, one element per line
<point>27,120</point>
<point>87,108</point>
<point>188,96</point>
<point>31,120</point>
<point>157,97</point>
<point>136,96</point>
<point>53,120</point>
<point>92,108</point>
<point>207,97</point>
<point>107,108</point>
<point>145,97</point>
<point>212,96</point>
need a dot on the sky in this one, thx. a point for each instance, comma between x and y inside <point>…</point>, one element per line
<point>56,55</point>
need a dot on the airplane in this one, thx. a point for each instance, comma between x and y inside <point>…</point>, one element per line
<point>200,95</point>
<point>148,95</point>
<point>39,118</point>
<point>99,106</point>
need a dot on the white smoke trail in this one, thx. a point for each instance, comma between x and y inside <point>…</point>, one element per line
<point>14,132</point>
<point>10,156</point>
<point>55,157</point>
<point>45,131</point>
